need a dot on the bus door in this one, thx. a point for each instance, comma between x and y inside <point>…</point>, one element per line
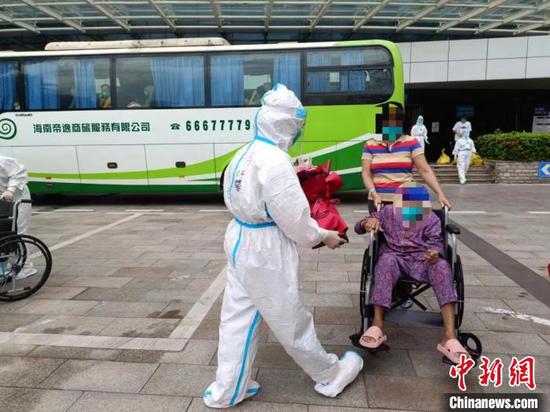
<point>111,166</point>
<point>51,169</point>
<point>181,167</point>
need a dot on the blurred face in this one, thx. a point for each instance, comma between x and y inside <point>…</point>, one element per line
<point>463,119</point>
<point>412,204</point>
<point>104,91</point>
<point>392,124</point>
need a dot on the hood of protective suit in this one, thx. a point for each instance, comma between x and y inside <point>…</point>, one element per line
<point>281,117</point>
<point>420,121</point>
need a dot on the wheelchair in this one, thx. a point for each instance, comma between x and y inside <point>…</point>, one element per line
<point>409,289</point>
<point>25,261</point>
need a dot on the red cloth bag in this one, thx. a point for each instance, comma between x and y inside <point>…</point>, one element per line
<point>319,185</point>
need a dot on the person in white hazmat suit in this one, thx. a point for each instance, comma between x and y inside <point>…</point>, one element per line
<point>464,147</point>
<point>13,188</point>
<point>462,126</point>
<point>420,132</point>
<point>271,216</point>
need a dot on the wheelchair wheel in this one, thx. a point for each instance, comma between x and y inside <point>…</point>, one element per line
<point>364,278</point>
<point>459,284</point>
<point>25,265</point>
<point>472,344</point>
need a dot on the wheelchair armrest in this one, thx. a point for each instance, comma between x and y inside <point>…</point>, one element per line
<point>453,229</point>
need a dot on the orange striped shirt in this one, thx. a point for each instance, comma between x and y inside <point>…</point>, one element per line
<point>391,164</point>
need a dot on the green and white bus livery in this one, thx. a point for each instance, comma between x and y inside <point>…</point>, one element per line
<point>169,119</point>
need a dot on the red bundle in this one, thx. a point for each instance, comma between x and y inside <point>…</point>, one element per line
<point>319,185</point>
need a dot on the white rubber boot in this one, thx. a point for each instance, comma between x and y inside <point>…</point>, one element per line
<point>349,367</point>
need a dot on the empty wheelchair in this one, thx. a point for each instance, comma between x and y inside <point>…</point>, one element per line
<point>410,289</point>
<point>25,261</point>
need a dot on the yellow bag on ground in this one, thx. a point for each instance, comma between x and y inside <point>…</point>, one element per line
<point>443,159</point>
<point>476,160</point>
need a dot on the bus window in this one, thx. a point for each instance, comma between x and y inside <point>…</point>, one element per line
<point>84,84</point>
<point>163,81</point>
<point>368,56</point>
<point>41,84</point>
<point>102,83</point>
<point>134,82</point>
<point>242,79</point>
<point>370,81</point>
<point>66,83</point>
<point>9,100</point>
<point>344,76</point>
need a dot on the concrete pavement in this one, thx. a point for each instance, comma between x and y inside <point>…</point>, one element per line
<point>111,331</point>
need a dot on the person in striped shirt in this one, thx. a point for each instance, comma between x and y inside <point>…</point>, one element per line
<point>388,163</point>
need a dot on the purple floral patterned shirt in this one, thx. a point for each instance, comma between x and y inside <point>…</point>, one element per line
<point>406,241</point>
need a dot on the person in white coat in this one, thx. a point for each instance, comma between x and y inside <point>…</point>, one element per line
<point>13,188</point>
<point>271,216</point>
<point>420,132</point>
<point>464,147</point>
<point>461,127</point>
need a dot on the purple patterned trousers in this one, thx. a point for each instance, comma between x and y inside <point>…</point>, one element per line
<point>391,267</point>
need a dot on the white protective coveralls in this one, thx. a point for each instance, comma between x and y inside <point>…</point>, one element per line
<point>420,132</point>
<point>13,177</point>
<point>271,215</point>
<point>464,147</point>
<point>461,127</point>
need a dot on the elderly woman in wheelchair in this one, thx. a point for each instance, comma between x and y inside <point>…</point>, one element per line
<point>413,250</point>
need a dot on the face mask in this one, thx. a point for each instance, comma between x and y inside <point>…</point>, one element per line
<point>412,213</point>
<point>105,94</point>
<point>391,133</point>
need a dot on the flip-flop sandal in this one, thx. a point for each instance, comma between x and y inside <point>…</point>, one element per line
<point>374,332</point>
<point>452,349</point>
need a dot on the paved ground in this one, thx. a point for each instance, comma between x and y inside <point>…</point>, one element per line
<point>124,322</point>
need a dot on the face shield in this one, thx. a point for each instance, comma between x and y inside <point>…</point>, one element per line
<point>301,114</point>
<point>281,118</point>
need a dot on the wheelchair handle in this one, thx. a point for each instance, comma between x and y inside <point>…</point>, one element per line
<point>15,216</point>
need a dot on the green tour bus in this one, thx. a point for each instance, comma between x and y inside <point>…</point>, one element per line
<point>168,115</point>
